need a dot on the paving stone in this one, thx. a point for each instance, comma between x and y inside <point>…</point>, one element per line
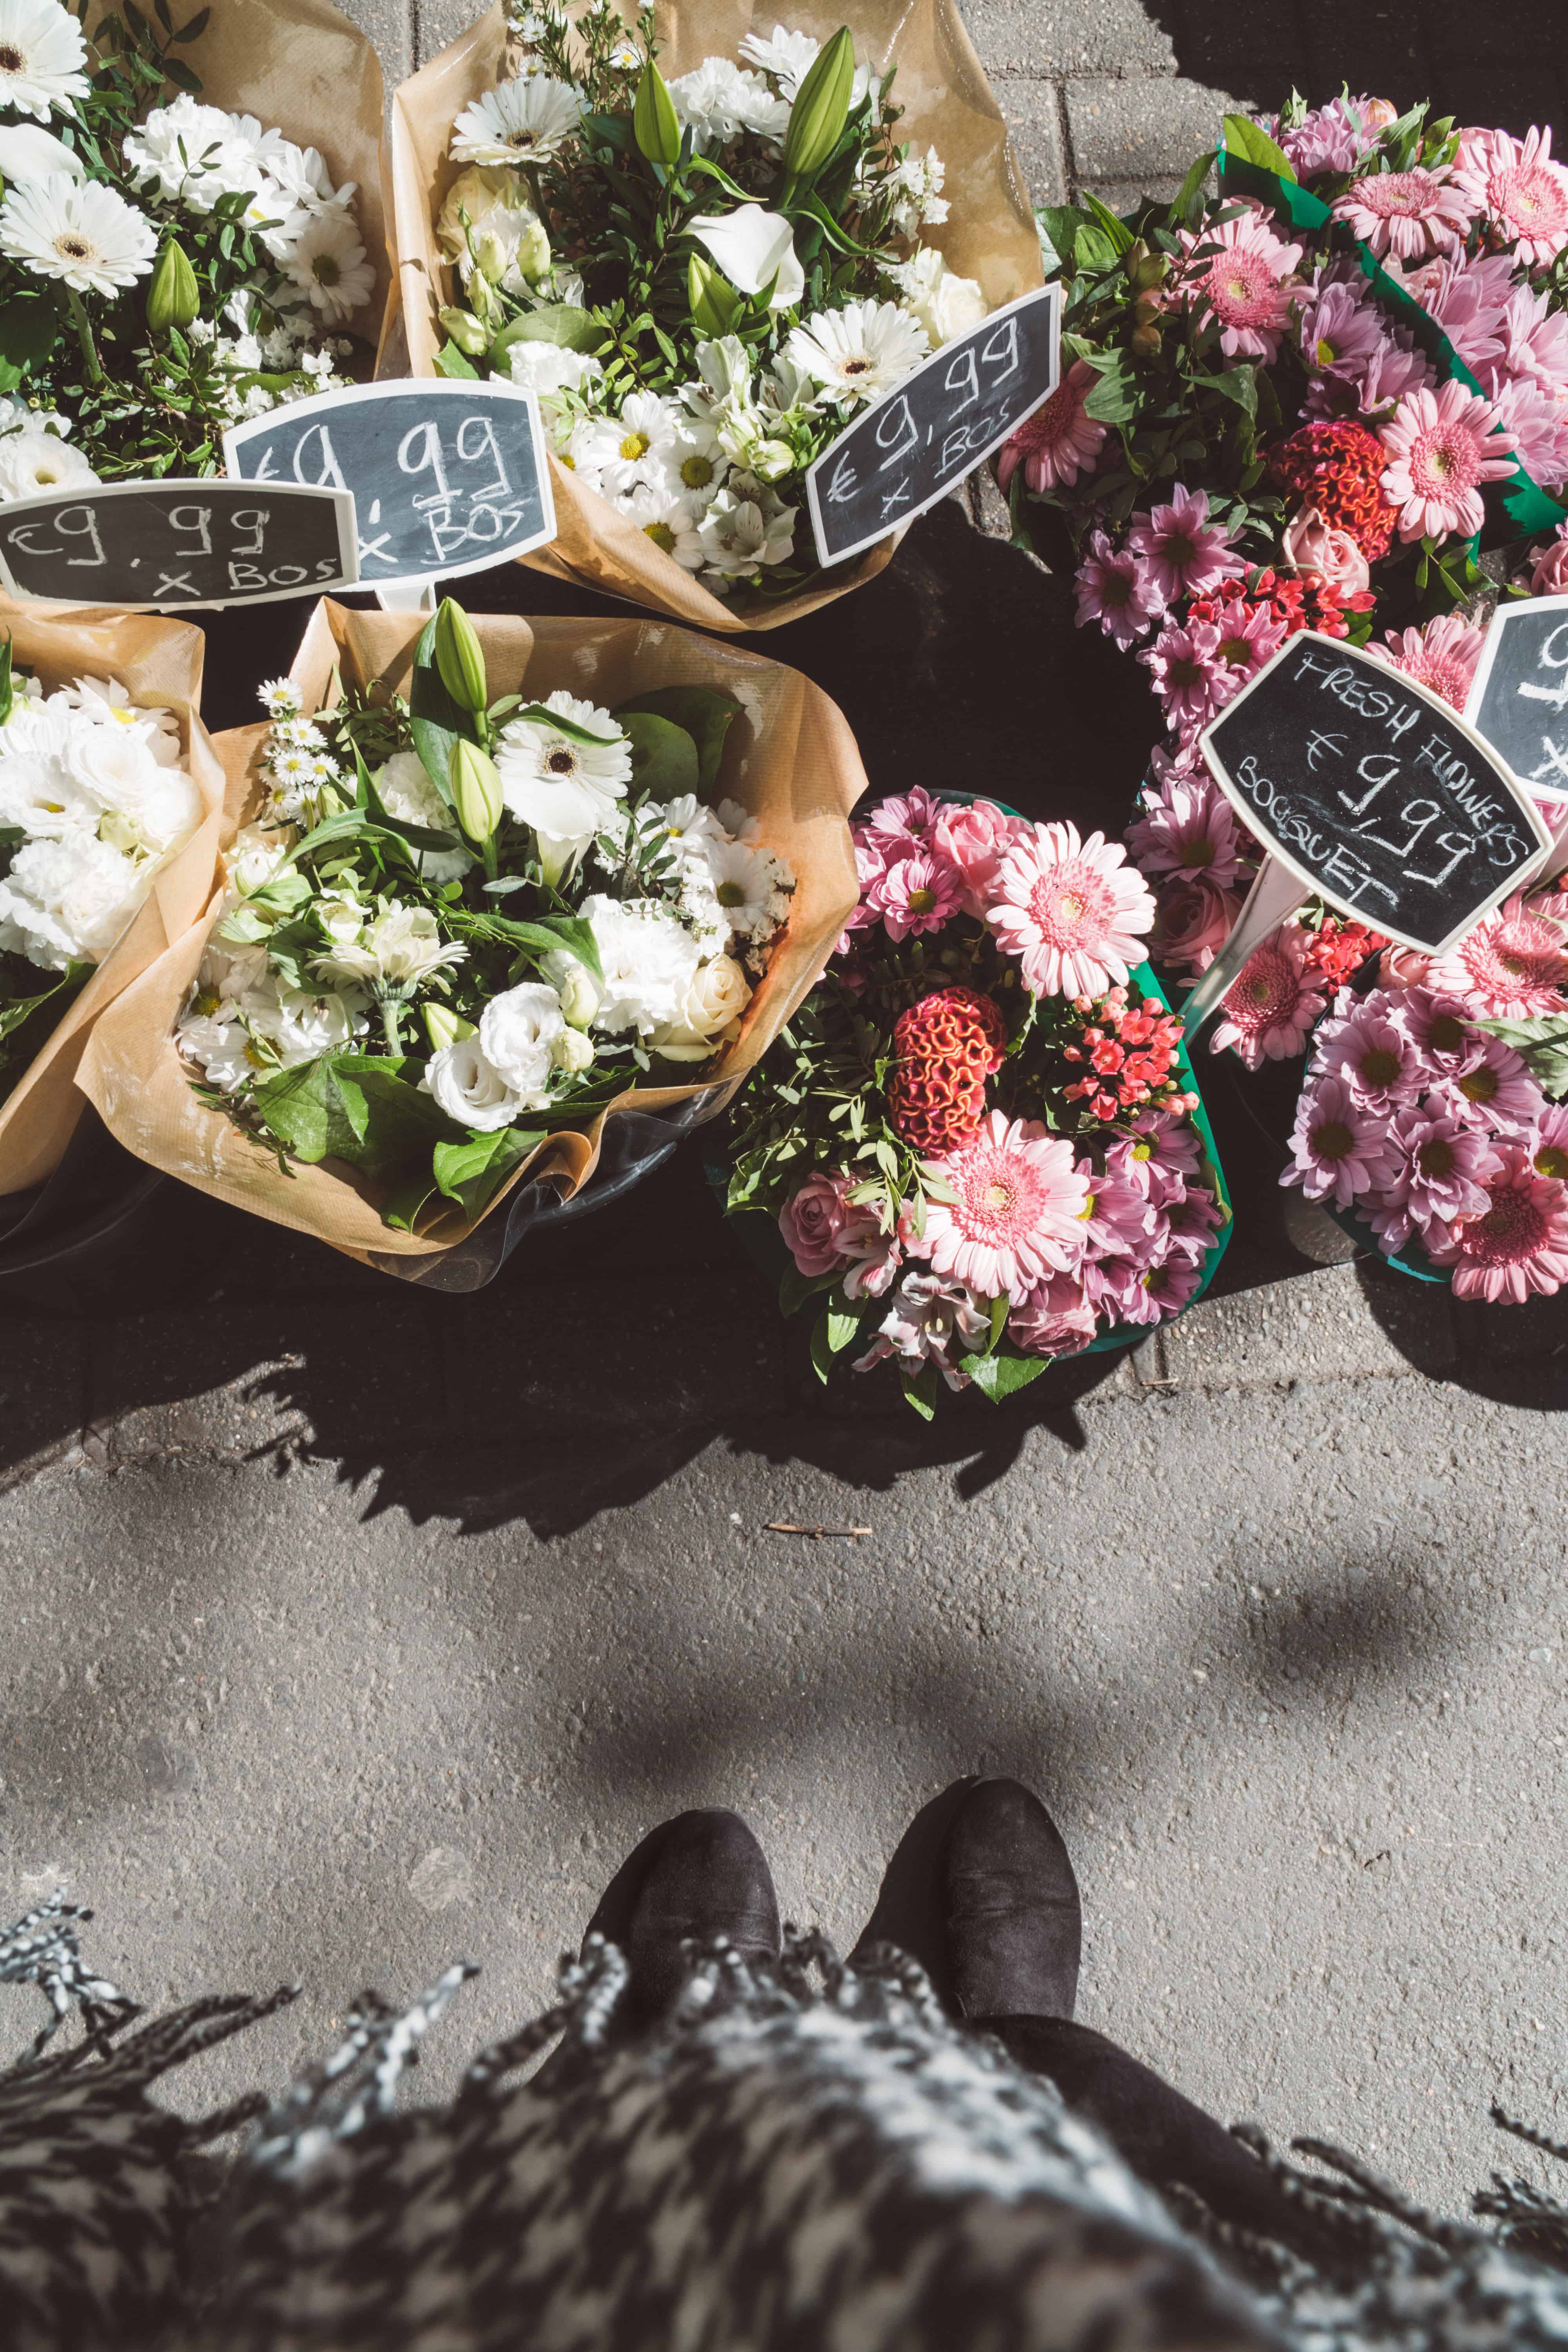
<point>390,24</point>
<point>1034,117</point>
<point>1339,1323</point>
<point>1513,96</point>
<point>43,1387</point>
<point>1537,1329</point>
<point>437,22</point>
<point>1505,31</point>
<point>1139,130</point>
<point>1114,37</point>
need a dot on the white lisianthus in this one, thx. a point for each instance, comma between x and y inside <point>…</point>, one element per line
<point>517,1032</point>
<point>557,783</point>
<point>146,807</point>
<point>649,960</point>
<point>40,792</point>
<point>407,793</point>
<point>469,1087</point>
<point>941,303</point>
<point>42,58</point>
<point>520,122</point>
<point>66,901</point>
<point>253,858</point>
<point>78,232</point>
<point>297,1026</point>
<point>756,250</point>
<point>547,368</point>
<point>399,950</point>
<point>580,993</point>
<point>860,352</point>
<point>572,1052</point>
<point>718,995</point>
<point>746,527</point>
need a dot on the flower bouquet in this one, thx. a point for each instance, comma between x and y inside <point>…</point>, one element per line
<point>498,882</point>
<point>171,261</point>
<point>110,807</point>
<point>979,1136</point>
<point>705,247</point>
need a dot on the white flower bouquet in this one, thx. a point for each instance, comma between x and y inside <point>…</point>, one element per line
<point>497,882</point>
<point>110,807</point>
<point>171,261</point>
<point>706,245</point>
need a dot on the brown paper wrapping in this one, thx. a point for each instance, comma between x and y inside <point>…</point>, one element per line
<point>160,663</point>
<point>989,234</point>
<point>790,759</point>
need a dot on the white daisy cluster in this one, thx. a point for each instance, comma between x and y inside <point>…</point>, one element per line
<point>94,787</point>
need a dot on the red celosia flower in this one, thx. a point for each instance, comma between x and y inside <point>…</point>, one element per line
<point>944,1048</point>
<point>1338,468</point>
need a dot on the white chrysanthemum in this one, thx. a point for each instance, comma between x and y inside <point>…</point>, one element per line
<point>718,101</point>
<point>329,263</point>
<point>66,901</point>
<point>642,444</point>
<point>191,154</point>
<point>860,352</point>
<point>746,527</point>
<point>788,57</point>
<point>42,58</point>
<point>521,122</point>
<point>941,303</point>
<point>33,460</point>
<point>468,1089</point>
<point>407,793</point>
<point>77,231</point>
<point>751,885</point>
<point>669,520</point>
<point>649,960</point>
<point>561,786</point>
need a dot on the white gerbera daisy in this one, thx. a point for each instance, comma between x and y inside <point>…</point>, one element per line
<point>788,57</point>
<point>556,782</point>
<point>643,445</point>
<point>77,231</point>
<point>746,527</point>
<point>42,53</point>
<point>669,521</point>
<point>521,122</point>
<point>860,352</point>
<point>328,262</point>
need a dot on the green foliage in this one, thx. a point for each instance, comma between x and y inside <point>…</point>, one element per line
<point>1541,1043</point>
<point>702,711</point>
<point>664,757</point>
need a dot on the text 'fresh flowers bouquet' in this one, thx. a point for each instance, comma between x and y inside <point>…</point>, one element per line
<point>171,262</point>
<point>111,799</point>
<point>704,264</point>
<point>980,1137</point>
<point>496,883</point>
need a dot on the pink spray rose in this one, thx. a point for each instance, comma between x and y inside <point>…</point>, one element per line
<point>972,840</point>
<point>1548,573</point>
<point>818,1224</point>
<point>1311,545</point>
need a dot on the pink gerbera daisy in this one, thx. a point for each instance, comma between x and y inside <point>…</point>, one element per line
<point>1469,294</point>
<point>1513,964</point>
<point>1188,828</point>
<point>1339,1147</point>
<point>1117,589</point>
<point>1059,440</point>
<point>1271,1005</point>
<point>1515,187</point>
<point>1518,1243</point>
<point>918,893</point>
<point>1408,213</point>
<point>1017,1212</point>
<point>1073,912</point>
<point>1535,340</point>
<point>1491,1088</point>
<point>1442,656</point>
<point>1247,284</point>
<point>1441,447</point>
<point>1436,1171</point>
<point>1057,1319</point>
<point>1186,554</point>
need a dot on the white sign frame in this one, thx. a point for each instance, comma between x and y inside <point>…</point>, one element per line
<point>95,493</point>
<point>1052,293</point>
<point>1556,797</point>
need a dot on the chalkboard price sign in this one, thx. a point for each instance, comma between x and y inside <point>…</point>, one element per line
<point>1518,700</point>
<point>935,425</point>
<point>447,477</point>
<point>1376,795</point>
<point>172,546</point>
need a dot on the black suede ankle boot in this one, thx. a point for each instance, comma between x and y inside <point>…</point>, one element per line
<point>702,1875</point>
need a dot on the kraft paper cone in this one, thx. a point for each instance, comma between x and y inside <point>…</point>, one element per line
<point>989,234</point>
<point>790,760</point>
<point>160,663</point>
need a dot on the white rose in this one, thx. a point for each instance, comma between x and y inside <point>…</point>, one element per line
<point>468,1089</point>
<point>517,1031</point>
<point>581,995</point>
<point>254,859</point>
<point>498,207</point>
<point>944,304</point>
<point>718,995</point>
<point>572,1052</point>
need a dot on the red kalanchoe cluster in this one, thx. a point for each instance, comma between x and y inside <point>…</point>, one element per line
<point>1338,470</point>
<point>1338,950</point>
<point>1130,1050</point>
<point>944,1049</point>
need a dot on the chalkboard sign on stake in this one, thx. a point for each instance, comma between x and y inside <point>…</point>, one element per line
<point>1519,697</point>
<point>1376,795</point>
<point>177,546</point>
<point>939,423</point>
<point>448,477</point>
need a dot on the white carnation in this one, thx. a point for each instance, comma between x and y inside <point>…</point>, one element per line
<point>649,960</point>
<point>66,901</point>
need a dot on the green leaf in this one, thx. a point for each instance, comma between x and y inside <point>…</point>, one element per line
<point>1116,397</point>
<point>180,74</point>
<point>1189,194</point>
<point>452,361</point>
<point>362,1108</point>
<point>1541,1042</point>
<point>1058,225</point>
<point>409,1200</point>
<point>566,324</point>
<point>471,1173</point>
<point>821,1347</point>
<point>1092,249</point>
<point>1119,232</point>
<point>1253,145</point>
<point>22,1008</point>
<point>796,1288</point>
<point>664,757</point>
<point>436,721</point>
<point>549,934</point>
<point>1000,1375</point>
<point>842,1329</point>
<point>6,686</point>
<point>561,725</point>
<point>704,713</point>
<point>999,1306</point>
<point>303,1109</point>
<point>1237,384</point>
<point>922,1392</point>
<point>29,328</point>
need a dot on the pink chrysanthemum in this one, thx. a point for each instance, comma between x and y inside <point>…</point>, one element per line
<point>1162,1155</point>
<point>1337,1147</point>
<point>1118,1217</point>
<point>1191,1223</point>
<point>1548,1146</point>
<point>1333,138</point>
<point>1491,1090</point>
<point>1247,284</point>
<point>1130,1293</point>
<point>1057,1319</point>
<point>1441,447</point>
<point>1073,912</point>
<point>1373,1054</point>
<point>1193,683</point>
<point>1189,828</point>
<point>1407,213</point>
<point>1436,1171</point>
<point>1515,187</point>
<point>918,893</point>
<point>1518,1243</point>
<point>1016,1217</point>
<point>1513,964</point>
<point>1186,554</point>
<point>1442,656</point>
<point>1538,421</point>
<point>1116,588</point>
<point>1438,1022</point>
<point>904,823</point>
<point>1271,1005</point>
<point>1341,329</point>
<point>1059,440</point>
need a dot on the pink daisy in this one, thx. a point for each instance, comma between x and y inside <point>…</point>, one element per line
<point>1056,1319</point>
<point>1491,1090</point>
<point>1438,1022</point>
<point>1191,1223</point>
<point>1246,283</point>
<point>1073,912</point>
<point>1442,447</point>
<point>1333,138</point>
<point>1115,588</point>
<point>1515,187</point>
<point>1374,1055</point>
<point>1191,680</point>
<point>918,893</point>
<point>1271,1005</point>
<point>1188,828</point>
<point>1339,1146</point>
<point>1377,384</point>
<point>1132,1293</point>
<point>870,865</point>
<point>904,823</point>
<point>1436,1171</point>
<point>1339,328</point>
<point>1250,636</point>
<point>1518,1243</point>
<point>1408,213</point>
<point>1537,420</point>
<point>1059,440</point>
<point>1513,964</point>
<point>1549,1145</point>
<point>1117,1218</point>
<point>1442,656</point>
<point>1017,1213</point>
<point>1186,554</point>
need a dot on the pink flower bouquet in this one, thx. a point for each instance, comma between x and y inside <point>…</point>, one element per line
<point>979,1138</point>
